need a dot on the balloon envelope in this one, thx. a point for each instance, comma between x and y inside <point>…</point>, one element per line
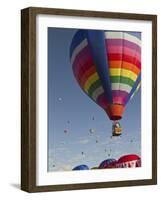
<point>129,161</point>
<point>107,66</point>
<point>91,130</point>
<point>81,167</point>
<point>109,163</point>
<point>94,168</point>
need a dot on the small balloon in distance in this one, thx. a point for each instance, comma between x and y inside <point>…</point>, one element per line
<point>65,130</point>
<point>91,130</point>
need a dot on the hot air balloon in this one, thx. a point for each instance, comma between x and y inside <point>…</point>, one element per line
<point>129,161</point>
<point>91,130</point>
<point>94,168</point>
<point>109,163</point>
<point>107,66</point>
<point>81,167</point>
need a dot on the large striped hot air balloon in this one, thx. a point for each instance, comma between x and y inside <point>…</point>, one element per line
<point>107,66</point>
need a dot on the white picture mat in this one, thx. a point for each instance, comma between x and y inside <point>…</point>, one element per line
<point>53,178</point>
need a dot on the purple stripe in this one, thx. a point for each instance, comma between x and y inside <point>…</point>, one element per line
<point>126,43</point>
<point>122,95</point>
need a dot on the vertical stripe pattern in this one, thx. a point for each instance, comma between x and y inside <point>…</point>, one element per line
<point>106,65</point>
<point>124,56</point>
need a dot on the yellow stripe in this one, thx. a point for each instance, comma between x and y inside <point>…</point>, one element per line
<point>90,81</point>
<point>124,72</point>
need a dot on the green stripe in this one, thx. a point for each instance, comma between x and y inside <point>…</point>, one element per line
<point>93,87</point>
<point>122,79</point>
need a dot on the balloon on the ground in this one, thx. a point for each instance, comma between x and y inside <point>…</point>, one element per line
<point>81,167</point>
<point>129,161</point>
<point>108,163</point>
<point>94,168</point>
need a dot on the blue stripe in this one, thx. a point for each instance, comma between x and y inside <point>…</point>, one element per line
<point>136,34</point>
<point>96,42</point>
<point>134,88</point>
<point>77,39</point>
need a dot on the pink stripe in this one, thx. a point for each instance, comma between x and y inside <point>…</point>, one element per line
<point>124,43</point>
<point>102,101</point>
<point>119,96</point>
<point>82,62</point>
<point>124,50</point>
<point>118,100</point>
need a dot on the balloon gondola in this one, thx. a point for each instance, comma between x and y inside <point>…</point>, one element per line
<point>116,129</point>
<point>107,66</point>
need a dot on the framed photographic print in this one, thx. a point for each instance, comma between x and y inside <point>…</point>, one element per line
<point>89,99</point>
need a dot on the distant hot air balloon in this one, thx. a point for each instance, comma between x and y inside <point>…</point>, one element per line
<point>129,161</point>
<point>65,130</point>
<point>109,163</point>
<point>81,167</point>
<point>91,130</point>
<point>107,66</point>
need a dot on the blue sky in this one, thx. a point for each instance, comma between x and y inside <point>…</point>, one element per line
<point>69,108</point>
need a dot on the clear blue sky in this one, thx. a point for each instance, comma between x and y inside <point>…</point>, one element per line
<point>71,109</point>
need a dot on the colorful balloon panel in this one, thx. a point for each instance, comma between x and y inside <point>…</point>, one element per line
<point>124,56</point>
<point>107,66</point>
<point>129,161</point>
<point>81,167</point>
<point>84,69</point>
<point>109,163</point>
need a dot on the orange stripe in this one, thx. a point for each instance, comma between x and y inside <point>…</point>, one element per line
<point>86,75</point>
<point>124,65</point>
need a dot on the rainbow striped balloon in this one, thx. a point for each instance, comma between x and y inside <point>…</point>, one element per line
<point>107,66</point>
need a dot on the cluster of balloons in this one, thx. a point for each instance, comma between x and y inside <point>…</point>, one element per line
<point>126,161</point>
